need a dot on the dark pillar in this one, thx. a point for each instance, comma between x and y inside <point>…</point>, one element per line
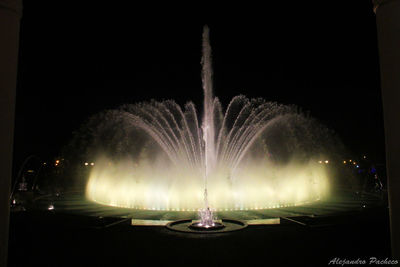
<point>10,14</point>
<point>388,25</point>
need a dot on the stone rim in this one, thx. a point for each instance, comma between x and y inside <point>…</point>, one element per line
<point>183,226</point>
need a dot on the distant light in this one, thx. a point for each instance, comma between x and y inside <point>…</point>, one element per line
<point>344,162</point>
<point>51,207</point>
<point>14,201</point>
<point>357,166</point>
<point>365,157</point>
<point>44,163</point>
<point>326,161</point>
<point>350,160</point>
<point>30,171</point>
<point>320,161</point>
<point>354,163</point>
<point>86,163</point>
<point>92,164</point>
<point>57,161</point>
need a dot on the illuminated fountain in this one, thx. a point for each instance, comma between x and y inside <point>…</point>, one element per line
<point>255,155</point>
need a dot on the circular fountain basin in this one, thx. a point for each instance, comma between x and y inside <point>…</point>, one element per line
<point>198,226</point>
<point>188,226</point>
<point>342,203</point>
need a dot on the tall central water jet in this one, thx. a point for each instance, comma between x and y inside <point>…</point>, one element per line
<point>208,119</point>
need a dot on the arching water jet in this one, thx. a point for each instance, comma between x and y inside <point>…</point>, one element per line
<point>255,155</point>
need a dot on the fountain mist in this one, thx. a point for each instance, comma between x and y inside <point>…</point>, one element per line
<point>163,159</point>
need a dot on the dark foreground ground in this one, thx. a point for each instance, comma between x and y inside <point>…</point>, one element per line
<point>52,239</point>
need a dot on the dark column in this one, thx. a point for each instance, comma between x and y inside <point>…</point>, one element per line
<point>10,14</point>
<point>388,25</point>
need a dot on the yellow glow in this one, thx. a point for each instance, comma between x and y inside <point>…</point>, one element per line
<point>92,164</point>
<point>152,185</point>
<point>350,160</point>
<point>344,162</point>
<point>326,161</point>
<point>57,161</point>
<point>86,163</point>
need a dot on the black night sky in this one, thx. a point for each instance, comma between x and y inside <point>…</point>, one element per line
<point>78,59</point>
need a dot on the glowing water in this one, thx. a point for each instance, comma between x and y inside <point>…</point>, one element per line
<point>257,185</point>
<point>225,156</point>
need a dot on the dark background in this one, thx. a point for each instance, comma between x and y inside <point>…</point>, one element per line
<point>77,59</point>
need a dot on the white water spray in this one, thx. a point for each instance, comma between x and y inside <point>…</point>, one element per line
<point>208,115</point>
<point>207,162</point>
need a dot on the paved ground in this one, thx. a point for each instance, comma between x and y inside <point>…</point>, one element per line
<point>53,239</point>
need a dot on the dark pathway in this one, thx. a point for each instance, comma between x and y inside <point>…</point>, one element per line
<point>51,239</point>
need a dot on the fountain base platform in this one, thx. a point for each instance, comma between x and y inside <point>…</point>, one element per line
<point>189,226</point>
